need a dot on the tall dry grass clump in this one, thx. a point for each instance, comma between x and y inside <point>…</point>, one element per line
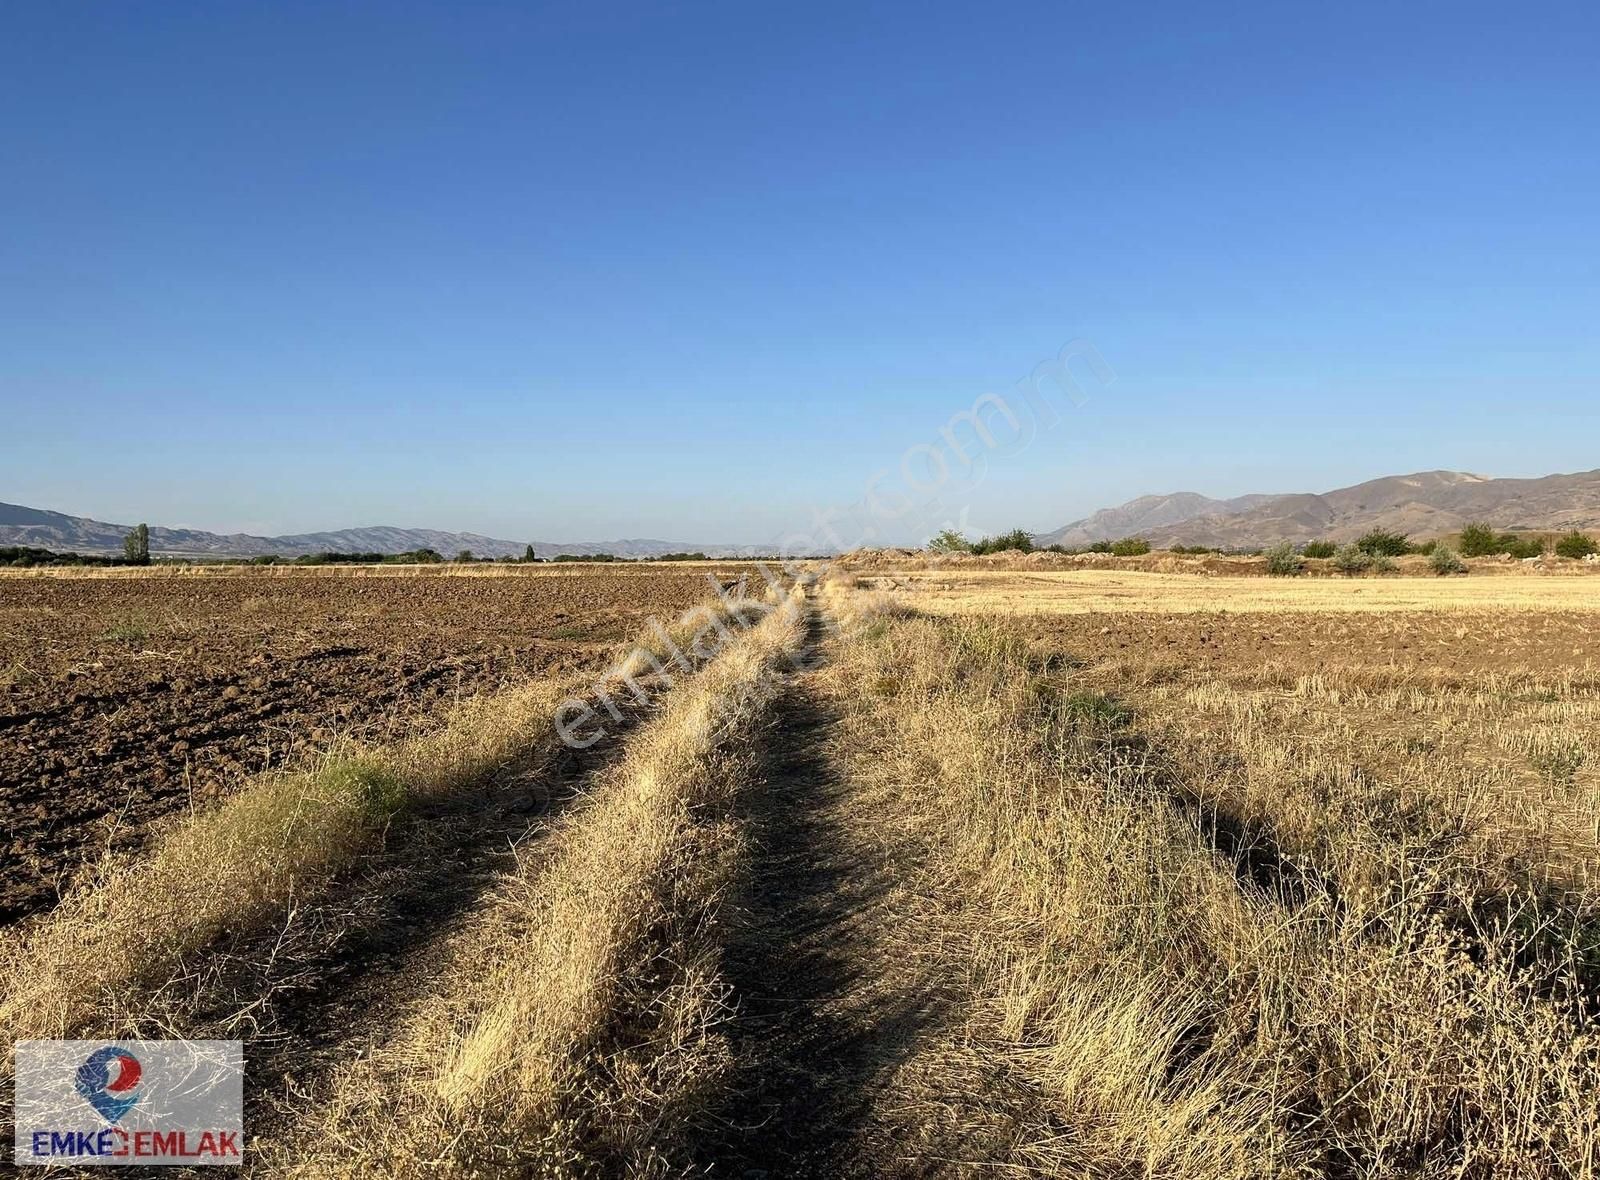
<point>588,1043</point>
<point>277,841</point>
<point>1190,998</point>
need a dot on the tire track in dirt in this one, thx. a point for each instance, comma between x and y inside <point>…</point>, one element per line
<point>850,993</point>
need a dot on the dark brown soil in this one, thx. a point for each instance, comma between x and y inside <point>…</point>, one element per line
<point>1430,647</point>
<point>123,700</point>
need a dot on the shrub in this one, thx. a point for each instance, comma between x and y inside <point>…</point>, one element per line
<point>1131,547</point>
<point>1425,549</point>
<point>1192,550</point>
<point>1479,540</point>
<point>1381,541</point>
<point>1095,708</point>
<point>1319,549</point>
<point>950,541</point>
<point>1283,561</point>
<point>1100,547</point>
<point>1444,561</point>
<point>1382,563</point>
<point>1351,560</point>
<point>1524,548</point>
<point>129,630</point>
<point>1576,545</point>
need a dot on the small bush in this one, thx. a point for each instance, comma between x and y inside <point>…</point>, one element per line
<point>1577,546</point>
<point>1100,547</point>
<point>1382,563</point>
<point>1351,560</point>
<point>1381,541</point>
<point>1096,709</point>
<point>130,630</point>
<point>1283,561</point>
<point>1525,548</point>
<point>1192,550</point>
<point>376,792</point>
<point>1560,763</point>
<point>1131,547</point>
<point>1444,561</point>
<point>1320,549</point>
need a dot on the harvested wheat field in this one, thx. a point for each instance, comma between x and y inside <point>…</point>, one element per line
<point>1089,875</point>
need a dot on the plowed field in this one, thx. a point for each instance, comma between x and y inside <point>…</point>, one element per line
<point>123,699</point>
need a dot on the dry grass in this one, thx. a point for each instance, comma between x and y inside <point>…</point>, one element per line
<point>1113,591</point>
<point>97,958</point>
<point>1238,956</point>
<point>588,1044</point>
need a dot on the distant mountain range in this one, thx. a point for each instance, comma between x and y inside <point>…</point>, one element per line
<point>1427,504</point>
<point>55,530</point>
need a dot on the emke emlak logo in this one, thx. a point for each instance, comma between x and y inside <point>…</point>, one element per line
<point>157,1102</point>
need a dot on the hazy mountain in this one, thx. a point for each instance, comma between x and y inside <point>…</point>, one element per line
<point>1144,515</point>
<point>1426,504</point>
<point>56,530</point>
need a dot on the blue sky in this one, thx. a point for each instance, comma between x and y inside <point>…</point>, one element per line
<point>693,271</point>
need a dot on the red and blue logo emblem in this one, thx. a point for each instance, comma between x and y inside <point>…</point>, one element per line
<point>108,1080</point>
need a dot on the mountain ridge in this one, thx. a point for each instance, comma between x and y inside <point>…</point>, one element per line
<point>45,529</point>
<point>1421,504</point>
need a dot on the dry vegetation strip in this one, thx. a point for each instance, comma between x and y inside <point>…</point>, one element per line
<point>245,864</point>
<point>1112,591</point>
<point>1339,976</point>
<point>588,1043</point>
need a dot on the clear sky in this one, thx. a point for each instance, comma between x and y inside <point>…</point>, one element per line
<point>690,271</point>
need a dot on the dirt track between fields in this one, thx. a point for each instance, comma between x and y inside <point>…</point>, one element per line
<point>849,983</point>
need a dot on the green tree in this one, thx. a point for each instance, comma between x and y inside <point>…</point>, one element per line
<point>136,546</point>
<point>1015,539</point>
<point>1131,547</point>
<point>950,541</point>
<point>529,555</point>
<point>1576,545</point>
<point>464,557</point>
<point>1479,540</point>
<point>1382,543</point>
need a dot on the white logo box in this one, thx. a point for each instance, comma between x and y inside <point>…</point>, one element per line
<point>146,1103</point>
